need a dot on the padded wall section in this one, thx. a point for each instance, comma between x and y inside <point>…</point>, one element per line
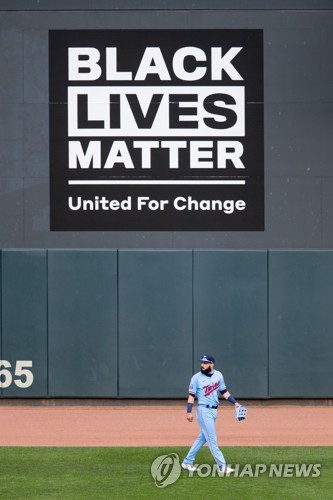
<point>300,324</point>
<point>155,323</point>
<point>24,323</point>
<point>0,318</point>
<point>83,323</point>
<point>230,317</point>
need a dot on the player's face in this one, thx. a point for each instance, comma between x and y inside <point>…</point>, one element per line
<point>206,367</point>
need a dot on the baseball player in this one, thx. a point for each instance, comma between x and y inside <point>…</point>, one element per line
<point>206,385</point>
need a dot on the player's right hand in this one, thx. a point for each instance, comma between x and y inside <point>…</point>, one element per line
<point>189,417</point>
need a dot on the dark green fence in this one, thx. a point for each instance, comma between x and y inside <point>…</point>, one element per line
<point>133,323</point>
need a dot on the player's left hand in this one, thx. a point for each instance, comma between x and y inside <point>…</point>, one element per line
<point>240,412</point>
<point>189,417</point>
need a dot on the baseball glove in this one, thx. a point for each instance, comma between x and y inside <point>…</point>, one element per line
<point>240,412</point>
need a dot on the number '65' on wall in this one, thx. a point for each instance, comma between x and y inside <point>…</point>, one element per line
<point>23,376</point>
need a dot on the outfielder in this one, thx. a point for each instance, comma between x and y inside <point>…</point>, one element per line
<point>206,385</point>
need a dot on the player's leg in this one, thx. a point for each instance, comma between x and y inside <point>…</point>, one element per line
<point>206,418</point>
<point>197,445</point>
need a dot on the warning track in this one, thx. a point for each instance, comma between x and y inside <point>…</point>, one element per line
<point>161,425</point>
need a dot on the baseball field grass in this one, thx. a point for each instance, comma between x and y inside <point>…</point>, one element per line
<point>125,473</point>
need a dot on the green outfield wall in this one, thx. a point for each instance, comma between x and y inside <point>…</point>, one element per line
<point>133,323</point>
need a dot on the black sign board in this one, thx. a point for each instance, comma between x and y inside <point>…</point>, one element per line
<point>156,130</point>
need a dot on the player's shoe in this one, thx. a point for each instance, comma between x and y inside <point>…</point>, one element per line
<point>225,470</point>
<point>189,467</point>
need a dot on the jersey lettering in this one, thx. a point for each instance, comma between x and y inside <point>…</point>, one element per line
<point>211,388</point>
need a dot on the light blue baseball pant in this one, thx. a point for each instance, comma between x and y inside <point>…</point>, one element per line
<point>206,418</point>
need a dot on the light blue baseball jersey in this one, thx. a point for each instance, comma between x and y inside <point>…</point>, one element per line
<point>207,388</point>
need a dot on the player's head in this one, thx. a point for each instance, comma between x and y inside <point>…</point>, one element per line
<point>207,363</point>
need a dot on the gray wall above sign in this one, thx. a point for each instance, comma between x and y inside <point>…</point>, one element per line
<point>298,121</point>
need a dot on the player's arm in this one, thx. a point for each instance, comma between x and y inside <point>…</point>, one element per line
<point>240,411</point>
<point>228,397</point>
<point>190,403</point>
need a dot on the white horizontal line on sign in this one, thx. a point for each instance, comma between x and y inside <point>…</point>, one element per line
<point>154,182</point>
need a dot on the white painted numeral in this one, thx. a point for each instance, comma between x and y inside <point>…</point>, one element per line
<point>21,371</point>
<point>24,376</point>
<point>5,375</point>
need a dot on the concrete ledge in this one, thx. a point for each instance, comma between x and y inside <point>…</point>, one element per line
<point>155,402</point>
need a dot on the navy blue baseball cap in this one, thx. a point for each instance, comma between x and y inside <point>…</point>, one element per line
<point>207,358</point>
